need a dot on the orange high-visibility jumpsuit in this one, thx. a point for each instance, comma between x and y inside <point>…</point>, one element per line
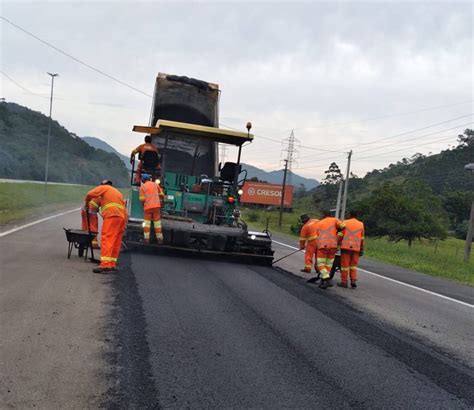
<point>327,244</point>
<point>114,215</point>
<point>140,150</point>
<point>352,244</point>
<point>93,210</point>
<point>150,196</point>
<point>308,242</point>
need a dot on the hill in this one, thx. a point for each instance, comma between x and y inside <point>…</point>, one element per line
<point>97,143</point>
<point>443,172</point>
<point>23,141</point>
<point>276,177</point>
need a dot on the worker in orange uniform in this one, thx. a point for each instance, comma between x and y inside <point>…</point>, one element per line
<point>352,247</point>
<point>326,230</point>
<point>150,196</point>
<point>140,150</point>
<point>308,241</point>
<point>91,224</point>
<point>114,215</point>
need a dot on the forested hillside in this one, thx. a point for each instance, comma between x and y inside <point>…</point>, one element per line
<point>97,143</point>
<point>23,140</point>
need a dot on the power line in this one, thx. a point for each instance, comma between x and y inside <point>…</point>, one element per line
<point>75,58</point>
<point>389,115</point>
<point>411,132</point>
<point>395,136</point>
<point>20,86</point>
<point>415,146</point>
<point>420,137</point>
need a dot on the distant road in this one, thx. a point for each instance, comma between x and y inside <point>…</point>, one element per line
<point>25,181</point>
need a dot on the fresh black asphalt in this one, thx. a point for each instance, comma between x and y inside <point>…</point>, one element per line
<point>189,332</point>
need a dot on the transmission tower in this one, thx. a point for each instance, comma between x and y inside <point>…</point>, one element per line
<point>291,153</point>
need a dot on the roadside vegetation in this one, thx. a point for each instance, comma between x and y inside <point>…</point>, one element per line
<point>22,200</point>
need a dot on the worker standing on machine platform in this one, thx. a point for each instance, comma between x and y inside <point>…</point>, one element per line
<point>141,150</point>
<point>352,247</point>
<point>115,218</point>
<point>91,223</point>
<point>308,241</point>
<point>327,246</point>
<point>150,196</point>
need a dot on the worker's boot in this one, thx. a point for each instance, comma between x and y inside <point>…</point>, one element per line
<point>306,270</point>
<point>159,239</point>
<point>325,283</point>
<point>104,270</point>
<point>146,240</point>
<point>353,284</point>
<point>342,284</point>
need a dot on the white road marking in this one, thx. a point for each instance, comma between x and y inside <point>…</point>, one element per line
<point>399,282</point>
<point>19,228</point>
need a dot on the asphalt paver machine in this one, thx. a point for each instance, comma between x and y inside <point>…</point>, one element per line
<point>201,196</point>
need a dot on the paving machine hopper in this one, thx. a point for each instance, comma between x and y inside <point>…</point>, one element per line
<point>200,207</point>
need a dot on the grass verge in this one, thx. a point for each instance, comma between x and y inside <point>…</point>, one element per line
<point>441,258</point>
<point>22,200</point>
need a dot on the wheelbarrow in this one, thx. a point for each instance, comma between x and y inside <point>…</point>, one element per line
<point>81,240</point>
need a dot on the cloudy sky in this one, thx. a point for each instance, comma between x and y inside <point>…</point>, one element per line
<point>385,79</point>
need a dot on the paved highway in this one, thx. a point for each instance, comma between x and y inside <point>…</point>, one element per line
<point>176,332</point>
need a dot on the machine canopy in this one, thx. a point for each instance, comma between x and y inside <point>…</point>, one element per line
<point>213,134</point>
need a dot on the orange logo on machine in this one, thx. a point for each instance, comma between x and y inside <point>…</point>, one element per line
<point>266,194</point>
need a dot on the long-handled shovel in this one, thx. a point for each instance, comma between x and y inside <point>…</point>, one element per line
<point>286,256</point>
<point>92,258</point>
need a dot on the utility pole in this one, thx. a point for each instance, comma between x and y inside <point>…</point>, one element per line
<point>346,186</point>
<point>339,194</point>
<point>49,128</point>
<point>470,227</point>
<point>283,193</point>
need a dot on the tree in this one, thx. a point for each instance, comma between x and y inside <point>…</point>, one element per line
<point>467,138</point>
<point>333,175</point>
<point>405,211</point>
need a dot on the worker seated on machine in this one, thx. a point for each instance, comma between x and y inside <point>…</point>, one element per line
<point>149,160</point>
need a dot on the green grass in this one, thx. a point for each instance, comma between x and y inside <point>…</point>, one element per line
<point>19,201</point>
<point>440,258</point>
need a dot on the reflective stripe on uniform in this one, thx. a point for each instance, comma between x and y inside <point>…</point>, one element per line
<point>112,204</point>
<point>327,238</point>
<point>108,259</point>
<point>351,239</point>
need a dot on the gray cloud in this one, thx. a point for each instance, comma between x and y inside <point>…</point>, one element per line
<point>281,65</point>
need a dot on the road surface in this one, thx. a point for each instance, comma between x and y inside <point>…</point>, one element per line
<point>176,332</point>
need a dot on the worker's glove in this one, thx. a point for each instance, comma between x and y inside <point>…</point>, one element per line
<point>131,160</point>
<point>361,253</point>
